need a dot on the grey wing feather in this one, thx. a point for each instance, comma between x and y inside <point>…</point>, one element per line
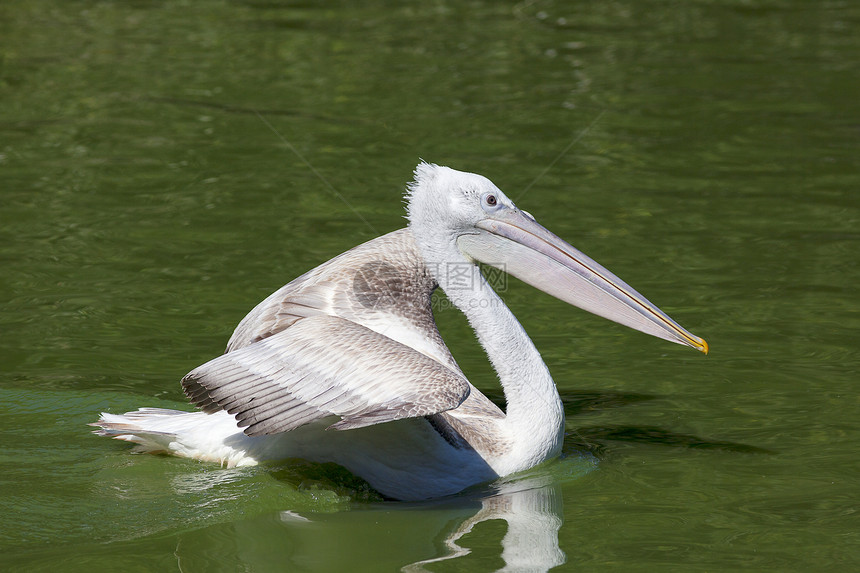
<point>323,366</point>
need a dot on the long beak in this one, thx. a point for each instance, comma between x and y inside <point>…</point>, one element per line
<point>516,244</point>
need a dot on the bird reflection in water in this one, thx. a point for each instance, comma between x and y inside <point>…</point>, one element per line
<point>390,536</point>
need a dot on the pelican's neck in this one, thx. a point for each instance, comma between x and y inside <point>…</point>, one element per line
<point>534,418</point>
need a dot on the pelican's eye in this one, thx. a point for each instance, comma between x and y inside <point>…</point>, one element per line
<point>491,202</point>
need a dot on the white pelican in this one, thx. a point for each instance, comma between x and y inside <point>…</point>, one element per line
<point>345,364</point>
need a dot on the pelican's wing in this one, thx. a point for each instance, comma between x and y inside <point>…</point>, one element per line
<point>323,366</point>
<point>384,276</point>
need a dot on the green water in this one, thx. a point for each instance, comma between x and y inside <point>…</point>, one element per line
<point>166,165</point>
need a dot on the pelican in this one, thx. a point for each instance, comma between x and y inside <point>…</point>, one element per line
<point>345,364</point>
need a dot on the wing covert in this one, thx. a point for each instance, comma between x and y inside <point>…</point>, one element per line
<point>322,366</point>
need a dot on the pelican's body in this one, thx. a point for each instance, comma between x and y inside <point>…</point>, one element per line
<point>345,364</point>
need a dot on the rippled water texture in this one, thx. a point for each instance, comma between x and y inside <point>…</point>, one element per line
<point>166,165</point>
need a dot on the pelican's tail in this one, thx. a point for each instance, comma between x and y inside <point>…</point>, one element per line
<point>197,435</point>
<point>150,428</point>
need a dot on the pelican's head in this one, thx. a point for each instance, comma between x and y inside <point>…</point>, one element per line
<point>451,202</point>
<point>455,215</point>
